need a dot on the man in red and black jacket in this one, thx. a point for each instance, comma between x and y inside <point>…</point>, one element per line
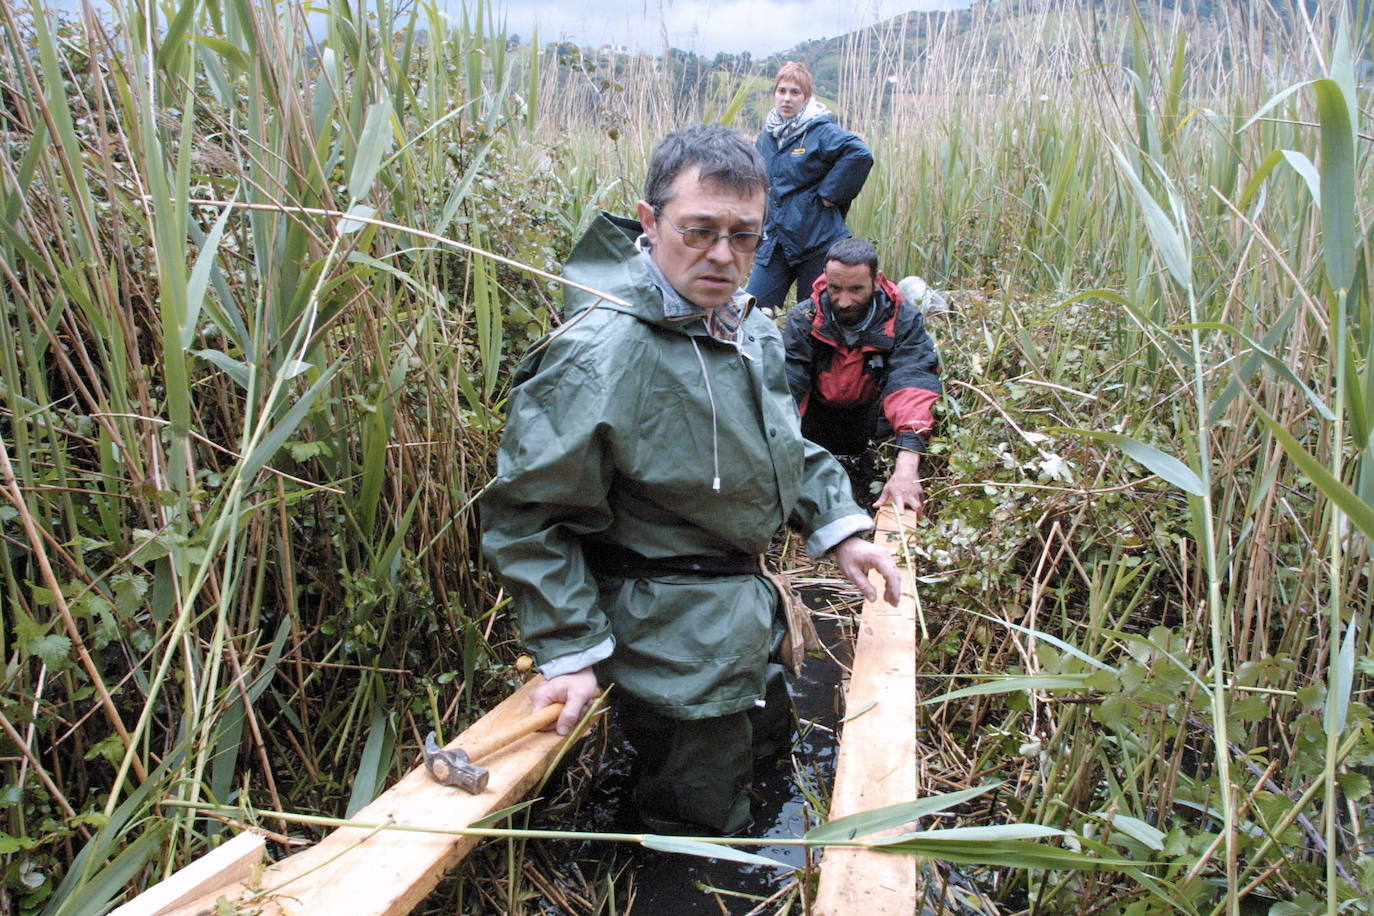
<point>862,368</point>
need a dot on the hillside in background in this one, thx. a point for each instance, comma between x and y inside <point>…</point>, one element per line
<point>885,50</point>
<point>894,54</point>
<point>905,37</point>
<point>886,55</point>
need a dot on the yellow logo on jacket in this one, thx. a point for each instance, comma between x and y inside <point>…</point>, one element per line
<point>799,151</point>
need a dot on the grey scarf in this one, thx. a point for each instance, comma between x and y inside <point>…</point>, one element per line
<point>784,131</point>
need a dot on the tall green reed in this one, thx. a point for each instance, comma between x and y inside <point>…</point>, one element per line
<point>244,435</point>
<point>1214,252</point>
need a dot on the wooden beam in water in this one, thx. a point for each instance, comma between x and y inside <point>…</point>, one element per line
<point>364,872</point>
<point>877,759</point>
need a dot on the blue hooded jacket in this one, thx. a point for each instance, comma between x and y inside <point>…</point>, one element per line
<point>825,161</point>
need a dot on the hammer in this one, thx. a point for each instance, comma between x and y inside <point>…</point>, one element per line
<point>456,767</point>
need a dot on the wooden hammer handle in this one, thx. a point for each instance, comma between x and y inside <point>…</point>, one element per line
<point>533,722</point>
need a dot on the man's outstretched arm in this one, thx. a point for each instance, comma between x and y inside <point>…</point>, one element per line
<point>903,489</point>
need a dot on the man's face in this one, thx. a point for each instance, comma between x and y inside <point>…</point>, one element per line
<point>789,99</point>
<point>850,288</point>
<point>707,277</point>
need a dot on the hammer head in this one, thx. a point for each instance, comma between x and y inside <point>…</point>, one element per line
<point>452,768</point>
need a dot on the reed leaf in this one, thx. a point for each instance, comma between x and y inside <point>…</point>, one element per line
<point>71,896</point>
<point>1281,367</point>
<point>986,833</point>
<point>1339,236</point>
<point>375,762</point>
<point>171,51</point>
<point>1165,343</point>
<point>1263,354</point>
<point>1004,854</point>
<point>747,87</point>
<point>97,894</point>
<point>373,144</point>
<point>1296,161</point>
<point>687,847</point>
<point>1157,462</point>
<point>1147,835</point>
<point>864,823</point>
<point>1273,102</point>
<point>496,817</point>
<point>199,281</point>
<point>1053,640</point>
<point>1012,683</point>
<point>1170,239</point>
<point>1359,512</point>
<point>1337,708</point>
<point>532,92</point>
<point>273,439</point>
<point>59,112</point>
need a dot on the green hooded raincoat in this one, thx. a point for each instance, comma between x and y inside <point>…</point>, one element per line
<point>618,425</point>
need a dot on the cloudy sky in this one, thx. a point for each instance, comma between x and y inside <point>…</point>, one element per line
<point>760,27</point>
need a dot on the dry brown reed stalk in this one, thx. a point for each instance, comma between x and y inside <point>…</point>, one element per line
<point>103,342</point>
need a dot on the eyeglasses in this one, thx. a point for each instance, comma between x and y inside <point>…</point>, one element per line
<point>702,238</point>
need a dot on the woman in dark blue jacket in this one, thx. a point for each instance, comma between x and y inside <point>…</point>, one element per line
<point>815,169</point>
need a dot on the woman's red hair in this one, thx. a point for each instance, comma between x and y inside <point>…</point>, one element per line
<point>794,71</point>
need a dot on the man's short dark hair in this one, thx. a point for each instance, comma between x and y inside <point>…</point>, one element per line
<point>721,154</point>
<point>854,251</point>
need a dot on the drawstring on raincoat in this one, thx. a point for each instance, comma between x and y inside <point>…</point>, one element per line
<point>711,398</point>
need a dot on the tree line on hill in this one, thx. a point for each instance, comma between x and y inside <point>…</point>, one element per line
<point>823,56</point>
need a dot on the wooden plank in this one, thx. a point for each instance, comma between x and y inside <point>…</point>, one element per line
<point>877,759</point>
<point>227,864</point>
<point>389,872</point>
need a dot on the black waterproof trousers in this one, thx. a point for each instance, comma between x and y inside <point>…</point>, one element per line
<point>692,775</point>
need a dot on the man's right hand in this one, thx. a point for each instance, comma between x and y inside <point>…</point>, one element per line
<point>574,691</point>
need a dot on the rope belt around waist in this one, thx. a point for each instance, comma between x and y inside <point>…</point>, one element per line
<point>614,560</point>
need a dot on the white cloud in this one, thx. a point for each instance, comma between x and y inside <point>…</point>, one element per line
<point>761,27</point>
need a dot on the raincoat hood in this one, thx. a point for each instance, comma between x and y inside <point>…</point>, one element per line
<point>815,112</point>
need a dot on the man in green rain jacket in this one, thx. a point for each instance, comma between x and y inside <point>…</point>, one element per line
<point>652,450</point>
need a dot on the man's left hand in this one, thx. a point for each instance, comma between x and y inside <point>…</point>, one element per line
<point>903,489</point>
<point>857,558</point>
